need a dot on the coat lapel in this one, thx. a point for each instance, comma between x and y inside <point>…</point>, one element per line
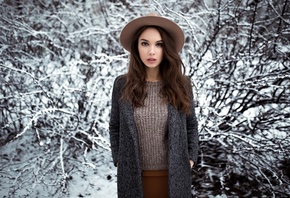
<point>129,118</point>
<point>173,121</point>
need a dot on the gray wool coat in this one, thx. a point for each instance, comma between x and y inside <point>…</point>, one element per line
<point>182,146</point>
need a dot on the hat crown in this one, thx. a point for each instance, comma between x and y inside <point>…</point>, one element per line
<point>152,19</point>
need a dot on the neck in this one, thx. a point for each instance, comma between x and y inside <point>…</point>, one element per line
<point>153,75</point>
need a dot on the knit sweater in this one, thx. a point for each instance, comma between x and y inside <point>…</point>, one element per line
<point>151,123</point>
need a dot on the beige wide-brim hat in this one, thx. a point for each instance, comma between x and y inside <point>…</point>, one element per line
<point>152,19</point>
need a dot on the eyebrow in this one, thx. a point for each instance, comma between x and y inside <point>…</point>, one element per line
<point>160,41</point>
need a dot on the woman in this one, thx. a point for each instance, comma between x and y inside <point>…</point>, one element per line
<point>153,127</point>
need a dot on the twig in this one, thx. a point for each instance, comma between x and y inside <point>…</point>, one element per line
<point>64,174</point>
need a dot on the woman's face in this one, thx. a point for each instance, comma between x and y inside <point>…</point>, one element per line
<point>150,47</point>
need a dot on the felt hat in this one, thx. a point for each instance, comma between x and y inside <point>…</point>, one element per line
<point>152,19</point>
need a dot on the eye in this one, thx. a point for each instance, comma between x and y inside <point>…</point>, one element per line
<point>144,43</point>
<point>159,44</point>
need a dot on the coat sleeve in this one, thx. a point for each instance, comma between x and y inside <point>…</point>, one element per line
<point>114,124</point>
<point>192,130</point>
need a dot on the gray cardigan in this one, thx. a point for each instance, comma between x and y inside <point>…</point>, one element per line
<point>182,146</point>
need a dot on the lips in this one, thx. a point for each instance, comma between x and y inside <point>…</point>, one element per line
<point>151,60</point>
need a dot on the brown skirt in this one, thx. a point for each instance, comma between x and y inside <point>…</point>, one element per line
<point>155,183</point>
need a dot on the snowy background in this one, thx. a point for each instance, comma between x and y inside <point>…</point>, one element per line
<point>58,60</point>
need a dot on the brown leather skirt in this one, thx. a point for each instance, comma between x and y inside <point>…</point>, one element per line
<point>155,183</point>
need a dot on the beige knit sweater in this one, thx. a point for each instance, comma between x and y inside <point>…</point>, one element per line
<point>151,123</point>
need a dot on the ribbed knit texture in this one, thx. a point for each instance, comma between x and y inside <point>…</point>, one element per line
<point>151,123</point>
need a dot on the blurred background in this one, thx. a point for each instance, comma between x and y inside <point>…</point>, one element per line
<point>58,60</point>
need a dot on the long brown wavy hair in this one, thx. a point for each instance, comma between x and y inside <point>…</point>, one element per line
<point>176,88</point>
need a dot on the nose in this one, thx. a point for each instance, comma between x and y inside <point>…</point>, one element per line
<point>152,50</point>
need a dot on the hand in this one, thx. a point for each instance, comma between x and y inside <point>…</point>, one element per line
<point>191,163</point>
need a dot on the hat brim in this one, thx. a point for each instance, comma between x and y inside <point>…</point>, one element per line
<point>169,26</point>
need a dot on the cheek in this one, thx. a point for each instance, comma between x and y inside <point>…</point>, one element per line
<point>161,53</point>
<point>141,52</point>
